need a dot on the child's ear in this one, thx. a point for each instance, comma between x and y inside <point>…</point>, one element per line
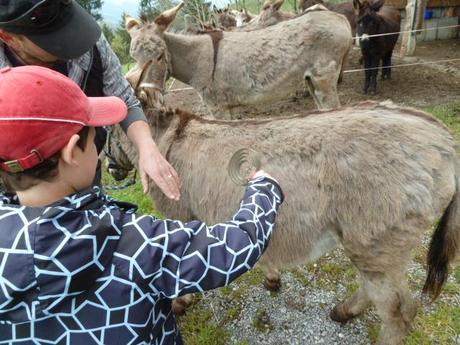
<point>68,151</point>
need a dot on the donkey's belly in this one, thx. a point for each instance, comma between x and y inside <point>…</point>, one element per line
<point>285,252</point>
<point>255,91</point>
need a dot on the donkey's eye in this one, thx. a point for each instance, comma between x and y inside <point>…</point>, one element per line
<point>160,57</point>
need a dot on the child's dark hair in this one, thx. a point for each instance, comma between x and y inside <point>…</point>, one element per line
<point>46,170</point>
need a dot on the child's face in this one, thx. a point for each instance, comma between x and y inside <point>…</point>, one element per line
<point>87,162</point>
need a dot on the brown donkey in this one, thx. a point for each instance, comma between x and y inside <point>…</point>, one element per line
<point>232,69</point>
<point>372,178</point>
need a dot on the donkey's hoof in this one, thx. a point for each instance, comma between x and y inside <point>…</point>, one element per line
<point>180,304</point>
<point>272,284</point>
<point>338,314</point>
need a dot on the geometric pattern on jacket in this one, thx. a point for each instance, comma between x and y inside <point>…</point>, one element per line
<point>90,270</point>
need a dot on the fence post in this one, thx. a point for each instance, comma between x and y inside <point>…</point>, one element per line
<point>415,11</point>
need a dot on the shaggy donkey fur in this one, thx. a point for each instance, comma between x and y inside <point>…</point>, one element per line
<point>372,178</point>
<point>249,67</point>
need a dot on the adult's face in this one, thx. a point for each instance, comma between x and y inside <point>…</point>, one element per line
<point>27,51</point>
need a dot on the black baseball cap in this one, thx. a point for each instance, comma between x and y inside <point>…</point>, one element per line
<point>60,27</point>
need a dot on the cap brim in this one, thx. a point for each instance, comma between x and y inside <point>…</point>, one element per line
<point>73,39</point>
<point>106,111</point>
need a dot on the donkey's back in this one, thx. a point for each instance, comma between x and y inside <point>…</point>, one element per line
<point>270,64</point>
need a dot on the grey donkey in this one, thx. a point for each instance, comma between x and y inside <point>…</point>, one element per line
<point>371,178</point>
<point>233,69</point>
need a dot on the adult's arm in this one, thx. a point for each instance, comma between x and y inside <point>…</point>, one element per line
<point>152,164</point>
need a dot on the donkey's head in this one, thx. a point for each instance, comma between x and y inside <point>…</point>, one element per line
<point>368,19</point>
<point>224,18</point>
<point>242,17</point>
<point>271,14</point>
<point>150,52</point>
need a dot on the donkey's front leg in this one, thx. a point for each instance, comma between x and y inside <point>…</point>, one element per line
<point>180,304</point>
<point>272,278</point>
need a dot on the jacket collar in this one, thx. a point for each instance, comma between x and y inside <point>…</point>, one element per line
<point>85,199</point>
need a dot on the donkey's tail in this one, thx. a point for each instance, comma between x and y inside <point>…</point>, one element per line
<point>444,245</point>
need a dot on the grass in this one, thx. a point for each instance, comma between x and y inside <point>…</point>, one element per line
<point>133,194</point>
<point>439,324</point>
<point>126,67</point>
<point>199,327</point>
<point>450,115</point>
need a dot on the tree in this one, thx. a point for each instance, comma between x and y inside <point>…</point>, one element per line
<point>92,6</point>
<point>108,32</point>
<point>121,41</point>
<point>149,9</point>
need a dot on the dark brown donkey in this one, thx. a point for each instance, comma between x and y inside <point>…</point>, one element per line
<point>373,19</point>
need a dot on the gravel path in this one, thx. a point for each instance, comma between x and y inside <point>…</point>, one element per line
<point>296,315</point>
<point>299,313</point>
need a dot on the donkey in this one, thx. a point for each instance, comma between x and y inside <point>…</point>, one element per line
<point>270,14</point>
<point>242,16</point>
<point>373,19</point>
<point>372,178</point>
<point>345,8</point>
<point>231,69</point>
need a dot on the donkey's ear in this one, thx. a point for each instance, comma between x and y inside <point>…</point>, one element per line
<point>376,5</point>
<point>277,5</point>
<point>266,5</point>
<point>356,5</point>
<point>166,18</point>
<point>131,23</point>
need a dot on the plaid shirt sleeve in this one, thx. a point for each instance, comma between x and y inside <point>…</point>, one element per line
<point>178,258</point>
<point>115,84</point>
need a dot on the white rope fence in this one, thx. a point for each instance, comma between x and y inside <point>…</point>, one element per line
<point>170,90</point>
<point>415,30</point>
<point>401,65</point>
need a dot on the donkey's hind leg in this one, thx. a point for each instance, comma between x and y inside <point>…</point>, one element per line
<point>352,306</point>
<point>394,303</point>
<point>386,65</point>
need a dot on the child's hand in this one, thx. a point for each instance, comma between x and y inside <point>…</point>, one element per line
<point>254,174</point>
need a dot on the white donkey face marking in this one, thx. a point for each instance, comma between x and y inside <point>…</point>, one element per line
<point>364,38</point>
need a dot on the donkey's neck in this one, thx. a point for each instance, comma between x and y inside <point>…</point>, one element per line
<point>191,58</point>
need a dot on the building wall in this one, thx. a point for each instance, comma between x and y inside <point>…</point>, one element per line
<point>438,15</point>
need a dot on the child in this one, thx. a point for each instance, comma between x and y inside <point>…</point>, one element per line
<point>77,267</point>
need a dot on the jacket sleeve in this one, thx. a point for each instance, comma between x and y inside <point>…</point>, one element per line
<point>179,258</point>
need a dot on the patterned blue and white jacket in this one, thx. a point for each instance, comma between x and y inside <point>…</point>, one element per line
<point>90,270</point>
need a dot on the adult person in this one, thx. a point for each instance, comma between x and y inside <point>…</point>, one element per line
<point>61,35</point>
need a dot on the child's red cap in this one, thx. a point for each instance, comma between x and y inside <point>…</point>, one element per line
<point>40,110</point>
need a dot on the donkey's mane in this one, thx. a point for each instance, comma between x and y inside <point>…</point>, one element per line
<point>216,36</point>
<point>186,117</point>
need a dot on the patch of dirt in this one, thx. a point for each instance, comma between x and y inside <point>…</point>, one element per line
<point>417,85</point>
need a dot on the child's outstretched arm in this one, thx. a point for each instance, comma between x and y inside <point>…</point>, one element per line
<point>191,257</point>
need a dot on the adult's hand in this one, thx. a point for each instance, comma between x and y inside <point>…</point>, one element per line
<point>152,165</point>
